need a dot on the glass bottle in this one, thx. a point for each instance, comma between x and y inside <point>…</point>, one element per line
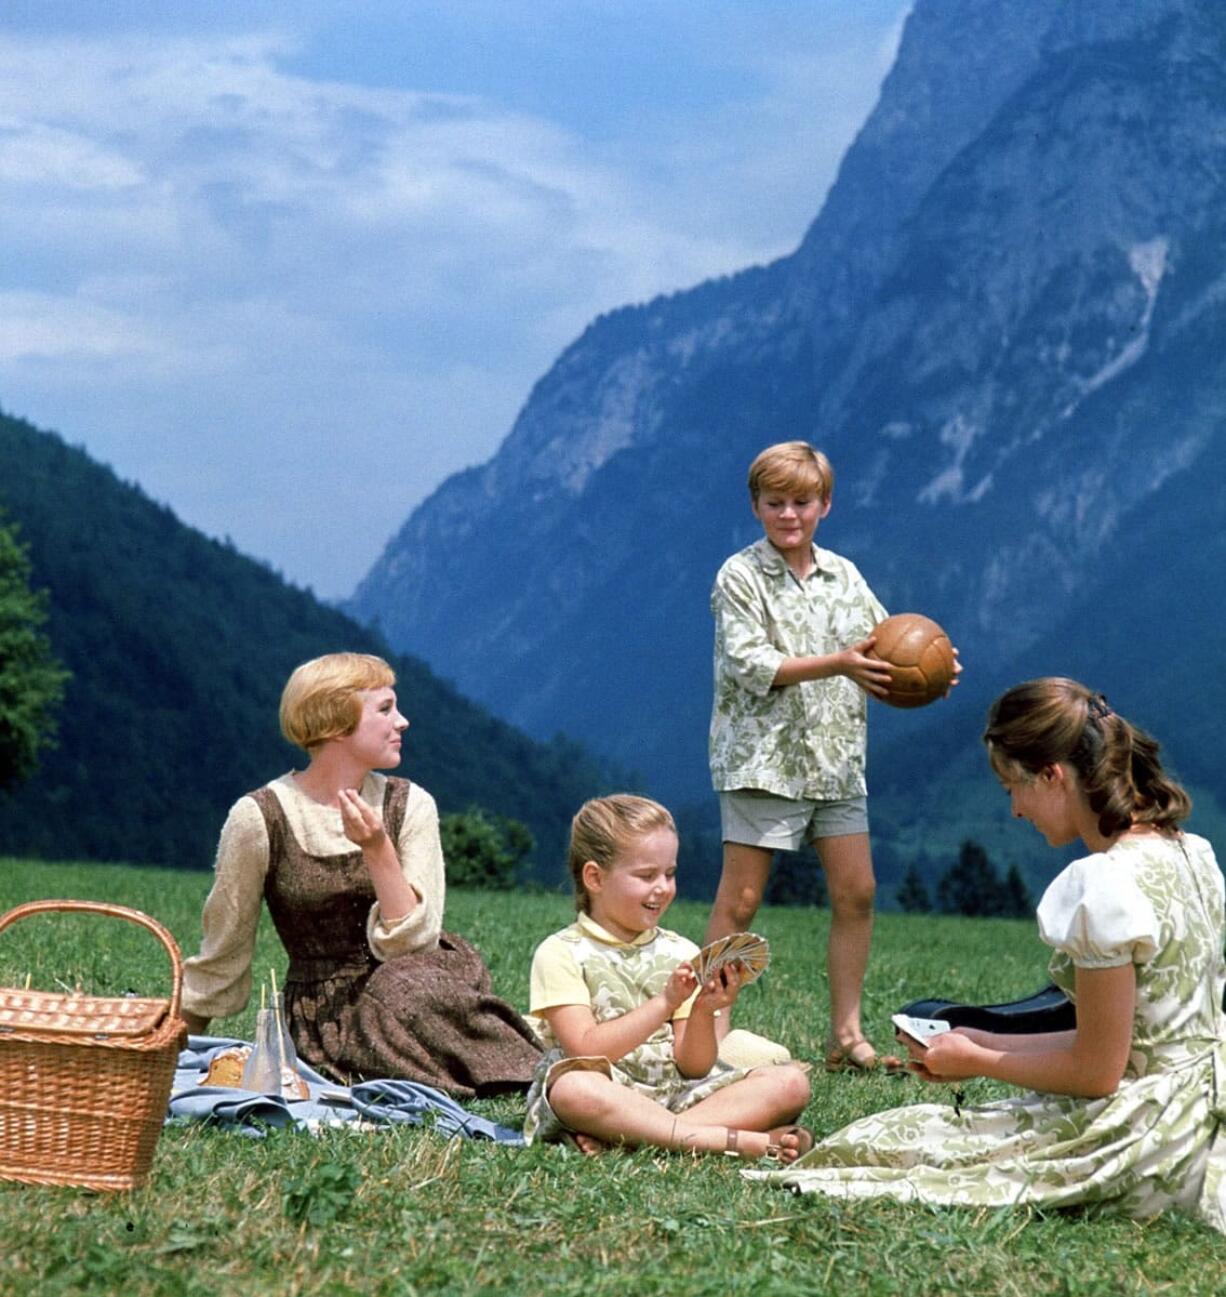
<point>272,1066</point>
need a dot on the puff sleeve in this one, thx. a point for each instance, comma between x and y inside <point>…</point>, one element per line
<point>1096,914</point>
<point>556,978</point>
<point>217,981</point>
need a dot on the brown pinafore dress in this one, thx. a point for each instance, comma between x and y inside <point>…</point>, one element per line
<point>427,1017</point>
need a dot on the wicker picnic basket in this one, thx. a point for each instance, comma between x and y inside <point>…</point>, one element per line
<point>84,1080</point>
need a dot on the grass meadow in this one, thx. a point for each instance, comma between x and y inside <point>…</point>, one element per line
<point>405,1211</point>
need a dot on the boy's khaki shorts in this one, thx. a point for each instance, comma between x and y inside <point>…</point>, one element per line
<point>754,818</point>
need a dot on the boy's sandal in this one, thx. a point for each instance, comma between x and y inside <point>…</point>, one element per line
<point>860,1056</point>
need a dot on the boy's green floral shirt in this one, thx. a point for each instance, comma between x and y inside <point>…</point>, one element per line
<point>805,740</point>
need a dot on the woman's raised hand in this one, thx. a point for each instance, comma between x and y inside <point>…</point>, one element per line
<point>363,825</point>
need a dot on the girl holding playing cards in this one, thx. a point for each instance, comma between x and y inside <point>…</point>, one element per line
<point>630,1032</point>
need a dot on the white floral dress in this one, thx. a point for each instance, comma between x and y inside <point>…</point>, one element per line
<point>585,964</point>
<point>1157,1142</point>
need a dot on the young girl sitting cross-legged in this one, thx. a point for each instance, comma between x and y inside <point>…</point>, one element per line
<point>632,1055</point>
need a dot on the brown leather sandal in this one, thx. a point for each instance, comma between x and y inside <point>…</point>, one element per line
<point>860,1056</point>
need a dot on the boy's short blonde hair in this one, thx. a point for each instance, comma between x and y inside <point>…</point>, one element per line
<point>791,466</point>
<point>320,699</point>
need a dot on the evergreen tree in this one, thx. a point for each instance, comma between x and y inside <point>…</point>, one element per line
<point>1015,896</point>
<point>912,895</point>
<point>971,885</point>
<point>796,878</point>
<point>31,679</point>
<point>484,850</point>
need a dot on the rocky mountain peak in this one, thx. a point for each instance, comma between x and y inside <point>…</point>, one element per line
<point>990,327</point>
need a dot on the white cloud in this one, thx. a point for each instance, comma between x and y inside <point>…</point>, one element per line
<point>44,155</point>
<point>38,327</point>
<point>223,273</point>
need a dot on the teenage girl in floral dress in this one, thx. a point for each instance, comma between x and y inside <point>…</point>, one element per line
<point>1126,1110</point>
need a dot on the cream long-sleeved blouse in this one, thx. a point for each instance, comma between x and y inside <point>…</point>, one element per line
<point>217,981</point>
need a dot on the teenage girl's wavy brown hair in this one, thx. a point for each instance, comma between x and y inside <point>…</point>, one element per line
<point>605,826</point>
<point>1044,722</point>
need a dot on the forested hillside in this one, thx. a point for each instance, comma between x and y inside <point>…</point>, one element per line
<point>178,647</point>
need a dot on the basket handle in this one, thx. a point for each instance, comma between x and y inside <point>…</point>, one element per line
<point>115,912</point>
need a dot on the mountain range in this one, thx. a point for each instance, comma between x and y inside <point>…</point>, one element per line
<point>1006,327</point>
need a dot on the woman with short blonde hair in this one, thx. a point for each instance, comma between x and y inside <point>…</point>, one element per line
<point>350,864</point>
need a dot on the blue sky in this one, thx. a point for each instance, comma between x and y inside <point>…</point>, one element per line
<point>289,264</point>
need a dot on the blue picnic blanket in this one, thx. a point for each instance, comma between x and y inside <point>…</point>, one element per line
<point>329,1104</point>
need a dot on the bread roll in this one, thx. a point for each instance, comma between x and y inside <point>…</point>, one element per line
<point>227,1067</point>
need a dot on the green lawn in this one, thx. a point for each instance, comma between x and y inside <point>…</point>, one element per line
<point>403,1211</point>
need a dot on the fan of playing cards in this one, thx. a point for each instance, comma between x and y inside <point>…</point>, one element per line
<point>744,948</point>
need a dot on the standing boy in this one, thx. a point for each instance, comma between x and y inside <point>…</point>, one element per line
<point>789,724</point>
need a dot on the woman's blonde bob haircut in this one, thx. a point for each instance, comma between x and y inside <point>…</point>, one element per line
<point>791,466</point>
<point>320,699</point>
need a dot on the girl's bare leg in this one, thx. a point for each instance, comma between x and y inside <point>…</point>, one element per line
<point>593,1104</point>
<point>848,863</point>
<point>766,1098</point>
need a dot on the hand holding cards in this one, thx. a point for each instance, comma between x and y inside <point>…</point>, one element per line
<point>746,949</point>
<point>919,1030</point>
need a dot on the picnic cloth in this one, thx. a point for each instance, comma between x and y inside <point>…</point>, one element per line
<point>251,1113</point>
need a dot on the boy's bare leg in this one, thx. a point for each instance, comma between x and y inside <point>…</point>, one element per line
<point>741,885</point>
<point>848,863</point>
<point>742,882</point>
